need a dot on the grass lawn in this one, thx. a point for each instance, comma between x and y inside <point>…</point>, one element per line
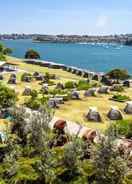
<point>73,110</point>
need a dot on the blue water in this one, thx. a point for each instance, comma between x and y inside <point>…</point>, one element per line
<point>95,57</point>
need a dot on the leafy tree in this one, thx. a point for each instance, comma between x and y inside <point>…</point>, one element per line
<point>118,74</point>
<point>7,51</point>
<point>110,167</point>
<point>1,48</point>
<point>4,51</point>
<point>7,96</point>
<point>32,54</point>
<point>2,57</point>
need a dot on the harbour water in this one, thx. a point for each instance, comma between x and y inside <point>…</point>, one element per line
<point>94,57</point>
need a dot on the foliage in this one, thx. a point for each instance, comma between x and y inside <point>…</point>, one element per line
<point>25,75</point>
<point>4,51</point>
<point>123,128</point>
<point>50,76</point>
<point>83,85</point>
<point>118,74</point>
<point>32,54</point>
<point>110,167</point>
<point>33,103</point>
<point>34,93</point>
<point>30,159</point>
<point>120,98</point>
<point>7,51</point>
<point>70,85</point>
<point>2,57</point>
<point>7,96</point>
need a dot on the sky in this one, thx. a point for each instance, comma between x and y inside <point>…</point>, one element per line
<point>92,17</point>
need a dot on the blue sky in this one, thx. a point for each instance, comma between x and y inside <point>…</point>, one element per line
<point>66,16</point>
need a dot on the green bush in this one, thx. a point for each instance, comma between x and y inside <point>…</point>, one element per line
<point>34,93</point>
<point>120,98</point>
<point>118,74</point>
<point>57,91</point>
<point>25,75</point>
<point>49,76</point>
<point>83,85</point>
<point>51,83</point>
<point>7,96</point>
<point>70,85</point>
<point>124,128</point>
<point>33,103</point>
<point>2,57</point>
<point>32,54</point>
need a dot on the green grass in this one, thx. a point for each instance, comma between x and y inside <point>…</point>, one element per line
<point>73,110</point>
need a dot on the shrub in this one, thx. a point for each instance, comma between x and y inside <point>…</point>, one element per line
<point>51,83</point>
<point>26,75</point>
<point>33,103</point>
<point>120,98</point>
<point>32,54</point>
<point>34,93</point>
<point>2,57</point>
<point>83,85</point>
<point>7,51</point>
<point>118,74</point>
<point>124,128</point>
<point>49,76</point>
<point>70,85</point>
<point>7,96</point>
<point>57,91</point>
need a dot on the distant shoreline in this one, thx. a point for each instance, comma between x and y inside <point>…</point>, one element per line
<point>119,39</point>
<point>125,39</point>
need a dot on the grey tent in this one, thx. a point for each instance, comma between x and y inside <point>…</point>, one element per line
<point>75,95</point>
<point>27,91</point>
<point>128,108</point>
<point>93,115</point>
<point>90,92</point>
<point>103,89</point>
<point>115,114</point>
